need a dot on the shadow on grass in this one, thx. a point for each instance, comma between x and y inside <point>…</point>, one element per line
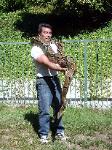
<point>34,120</point>
<point>65,23</point>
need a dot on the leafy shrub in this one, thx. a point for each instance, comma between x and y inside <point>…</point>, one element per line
<point>74,6</point>
<point>93,61</point>
<point>12,5</point>
<point>16,62</point>
<point>66,5</point>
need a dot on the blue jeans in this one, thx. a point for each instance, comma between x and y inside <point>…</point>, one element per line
<point>49,94</point>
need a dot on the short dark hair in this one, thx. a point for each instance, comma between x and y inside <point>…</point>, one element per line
<point>43,25</point>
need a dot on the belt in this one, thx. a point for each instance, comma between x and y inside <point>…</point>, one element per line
<point>47,77</point>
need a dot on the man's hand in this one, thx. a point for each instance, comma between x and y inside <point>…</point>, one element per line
<point>62,69</point>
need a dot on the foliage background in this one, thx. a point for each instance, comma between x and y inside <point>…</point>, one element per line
<point>78,20</point>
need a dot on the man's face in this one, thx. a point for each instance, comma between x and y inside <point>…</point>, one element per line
<point>46,34</point>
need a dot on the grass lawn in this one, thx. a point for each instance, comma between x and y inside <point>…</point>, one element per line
<point>87,129</point>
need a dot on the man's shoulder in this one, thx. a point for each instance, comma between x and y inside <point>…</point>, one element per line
<point>36,51</point>
<point>36,48</point>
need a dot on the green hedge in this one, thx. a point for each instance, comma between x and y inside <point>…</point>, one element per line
<point>97,68</point>
<point>16,62</point>
<point>11,5</point>
<point>10,34</point>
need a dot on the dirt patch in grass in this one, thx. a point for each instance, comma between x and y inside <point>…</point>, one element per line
<point>96,142</point>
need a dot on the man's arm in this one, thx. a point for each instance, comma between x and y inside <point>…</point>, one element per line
<point>43,59</point>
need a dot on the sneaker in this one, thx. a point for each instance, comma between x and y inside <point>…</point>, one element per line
<point>43,139</point>
<point>61,136</point>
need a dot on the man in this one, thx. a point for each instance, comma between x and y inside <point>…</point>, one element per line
<point>47,84</point>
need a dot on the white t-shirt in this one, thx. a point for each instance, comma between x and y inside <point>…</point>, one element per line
<point>41,69</point>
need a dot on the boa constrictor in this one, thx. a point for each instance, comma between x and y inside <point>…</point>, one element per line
<point>63,61</point>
